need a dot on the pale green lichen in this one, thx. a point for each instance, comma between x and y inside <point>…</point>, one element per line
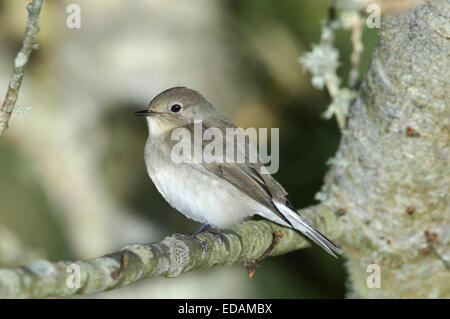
<point>178,255</point>
<point>20,60</point>
<point>143,252</point>
<point>20,110</point>
<point>322,62</point>
<point>41,268</point>
<point>348,18</point>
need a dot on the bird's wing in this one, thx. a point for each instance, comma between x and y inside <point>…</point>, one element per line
<point>245,176</point>
<point>263,188</point>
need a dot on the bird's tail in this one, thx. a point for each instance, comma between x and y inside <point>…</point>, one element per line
<point>302,225</point>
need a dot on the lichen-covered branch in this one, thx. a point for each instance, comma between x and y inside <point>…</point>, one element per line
<point>21,60</point>
<point>171,257</point>
<point>323,62</point>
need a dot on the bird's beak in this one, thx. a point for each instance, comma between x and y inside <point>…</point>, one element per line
<point>144,113</point>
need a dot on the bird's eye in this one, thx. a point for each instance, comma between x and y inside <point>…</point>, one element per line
<point>175,108</point>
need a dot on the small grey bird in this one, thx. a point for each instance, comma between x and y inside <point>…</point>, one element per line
<point>216,194</point>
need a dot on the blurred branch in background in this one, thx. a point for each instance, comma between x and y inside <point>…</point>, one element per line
<point>323,62</point>
<point>21,60</point>
<point>13,251</point>
<point>356,23</point>
<point>171,257</point>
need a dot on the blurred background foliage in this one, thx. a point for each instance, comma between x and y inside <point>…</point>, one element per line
<point>72,178</point>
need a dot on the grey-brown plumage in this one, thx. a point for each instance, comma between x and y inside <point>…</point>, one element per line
<point>219,193</point>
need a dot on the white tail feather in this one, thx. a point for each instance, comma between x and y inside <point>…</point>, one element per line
<point>302,225</point>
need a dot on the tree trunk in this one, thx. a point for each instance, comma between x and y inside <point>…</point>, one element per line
<point>392,174</point>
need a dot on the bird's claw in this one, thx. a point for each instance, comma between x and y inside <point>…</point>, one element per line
<point>219,235</point>
<point>202,229</point>
<point>191,236</point>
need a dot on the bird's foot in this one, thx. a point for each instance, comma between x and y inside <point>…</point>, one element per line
<point>252,265</point>
<point>216,234</point>
<point>207,228</point>
<point>219,235</point>
<point>201,229</point>
<point>193,235</point>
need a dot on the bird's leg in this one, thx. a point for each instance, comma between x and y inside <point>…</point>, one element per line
<point>220,235</point>
<point>201,229</point>
<point>194,234</point>
<point>251,266</point>
<point>207,228</point>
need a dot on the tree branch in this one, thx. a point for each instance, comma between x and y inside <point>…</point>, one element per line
<point>171,257</point>
<point>21,60</point>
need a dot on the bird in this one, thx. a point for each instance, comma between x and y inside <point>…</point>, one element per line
<point>218,194</point>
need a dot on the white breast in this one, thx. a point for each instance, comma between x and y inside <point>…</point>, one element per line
<point>196,193</point>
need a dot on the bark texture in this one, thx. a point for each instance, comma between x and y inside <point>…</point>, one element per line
<point>20,62</point>
<point>392,176</point>
<point>171,257</point>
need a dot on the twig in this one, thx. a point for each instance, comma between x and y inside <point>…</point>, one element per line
<point>356,53</point>
<point>170,258</point>
<point>340,97</point>
<point>21,60</point>
<point>251,266</point>
<point>323,62</point>
<point>331,17</point>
